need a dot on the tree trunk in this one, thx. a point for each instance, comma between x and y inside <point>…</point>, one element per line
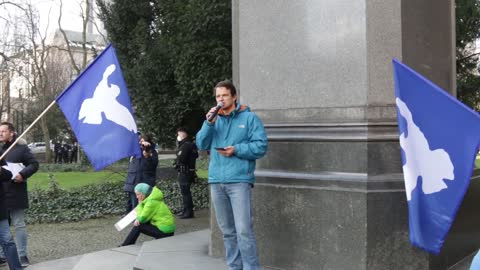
<point>46,136</point>
<point>9,115</point>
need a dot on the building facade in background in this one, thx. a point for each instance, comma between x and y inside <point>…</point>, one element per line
<point>27,75</point>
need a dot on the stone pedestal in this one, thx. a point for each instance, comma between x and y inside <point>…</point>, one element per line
<point>330,192</point>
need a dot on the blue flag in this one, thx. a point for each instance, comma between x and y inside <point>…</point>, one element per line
<point>439,139</point>
<point>98,108</point>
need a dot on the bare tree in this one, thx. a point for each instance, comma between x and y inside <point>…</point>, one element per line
<point>79,58</point>
<point>41,82</point>
<point>46,67</point>
<point>96,11</point>
<point>67,42</point>
<point>4,73</point>
<point>87,9</point>
<point>6,3</point>
<point>36,65</point>
<point>8,46</point>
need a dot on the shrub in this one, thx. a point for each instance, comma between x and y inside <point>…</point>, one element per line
<point>97,200</point>
<point>65,167</point>
<point>81,167</point>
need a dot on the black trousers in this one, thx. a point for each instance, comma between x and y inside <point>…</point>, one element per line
<point>147,229</point>
<point>185,181</point>
<point>73,157</point>
<point>132,201</point>
<point>58,157</point>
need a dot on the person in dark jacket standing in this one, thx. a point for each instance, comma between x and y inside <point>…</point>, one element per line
<point>16,196</point>
<point>148,162</point>
<point>6,241</point>
<point>73,156</point>
<point>57,151</point>
<point>67,149</point>
<point>187,155</point>
<point>132,174</point>
<point>141,170</point>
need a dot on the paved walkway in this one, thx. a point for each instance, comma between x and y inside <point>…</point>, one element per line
<point>48,242</point>
<point>167,156</point>
<point>181,252</point>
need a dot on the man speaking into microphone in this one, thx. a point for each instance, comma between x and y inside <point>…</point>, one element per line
<point>236,139</point>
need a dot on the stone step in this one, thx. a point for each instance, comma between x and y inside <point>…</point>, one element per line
<point>110,259</point>
<point>60,264</point>
<point>187,251</point>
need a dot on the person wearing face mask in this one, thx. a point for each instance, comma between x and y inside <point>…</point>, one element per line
<point>187,155</point>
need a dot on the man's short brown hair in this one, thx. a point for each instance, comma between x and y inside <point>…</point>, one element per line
<point>10,126</point>
<point>227,84</point>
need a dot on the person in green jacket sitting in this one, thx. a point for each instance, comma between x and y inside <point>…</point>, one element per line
<point>153,216</point>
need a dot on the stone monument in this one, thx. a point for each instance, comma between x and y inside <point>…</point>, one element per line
<point>330,192</point>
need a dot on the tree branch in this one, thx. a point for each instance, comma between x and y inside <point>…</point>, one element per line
<point>4,56</point>
<point>85,18</point>
<point>105,40</point>
<point>69,49</point>
<point>12,4</point>
<point>469,56</point>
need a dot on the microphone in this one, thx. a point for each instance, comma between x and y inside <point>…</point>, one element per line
<point>219,106</point>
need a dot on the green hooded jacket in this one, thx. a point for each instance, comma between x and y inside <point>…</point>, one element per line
<point>154,210</point>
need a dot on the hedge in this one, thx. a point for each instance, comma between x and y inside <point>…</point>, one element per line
<point>97,200</point>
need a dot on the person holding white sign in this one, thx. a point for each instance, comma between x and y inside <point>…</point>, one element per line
<point>8,246</point>
<point>154,218</point>
<point>23,163</point>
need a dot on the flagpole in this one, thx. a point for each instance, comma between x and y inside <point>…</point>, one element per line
<point>29,127</point>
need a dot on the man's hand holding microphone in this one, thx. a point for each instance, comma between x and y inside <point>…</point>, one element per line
<point>211,116</point>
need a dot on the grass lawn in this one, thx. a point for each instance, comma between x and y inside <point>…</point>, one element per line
<point>202,173</point>
<point>477,162</point>
<point>69,180</point>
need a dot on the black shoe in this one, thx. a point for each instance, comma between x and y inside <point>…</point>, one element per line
<point>3,261</point>
<point>24,261</point>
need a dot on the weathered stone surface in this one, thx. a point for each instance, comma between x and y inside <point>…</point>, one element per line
<point>330,194</point>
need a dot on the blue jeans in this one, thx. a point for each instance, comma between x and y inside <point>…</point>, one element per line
<point>18,221</point>
<point>17,217</point>
<point>233,209</point>
<point>8,246</point>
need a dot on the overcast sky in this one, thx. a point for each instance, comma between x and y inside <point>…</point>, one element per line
<point>49,11</point>
<point>71,19</point>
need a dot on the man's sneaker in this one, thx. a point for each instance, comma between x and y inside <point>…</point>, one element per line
<point>3,261</point>
<point>24,261</point>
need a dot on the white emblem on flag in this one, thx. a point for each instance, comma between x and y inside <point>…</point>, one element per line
<point>434,166</point>
<point>104,100</point>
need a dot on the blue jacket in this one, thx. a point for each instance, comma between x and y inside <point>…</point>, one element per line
<point>241,129</point>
